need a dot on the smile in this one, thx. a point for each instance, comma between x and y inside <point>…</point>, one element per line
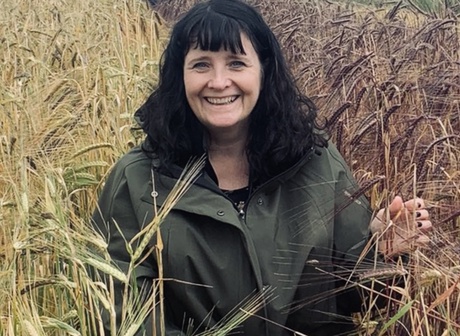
<point>221,101</point>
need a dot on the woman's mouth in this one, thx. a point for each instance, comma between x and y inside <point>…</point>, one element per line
<point>221,101</point>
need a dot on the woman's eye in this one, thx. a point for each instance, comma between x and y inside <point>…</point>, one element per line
<point>237,64</point>
<point>200,65</point>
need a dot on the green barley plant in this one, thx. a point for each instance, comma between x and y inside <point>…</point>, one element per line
<point>65,99</point>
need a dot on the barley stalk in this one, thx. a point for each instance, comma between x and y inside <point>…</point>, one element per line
<point>106,268</point>
<point>191,172</point>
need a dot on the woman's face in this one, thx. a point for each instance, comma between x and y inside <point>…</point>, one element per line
<point>222,88</point>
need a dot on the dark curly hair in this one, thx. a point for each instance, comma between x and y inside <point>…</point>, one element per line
<point>283,125</point>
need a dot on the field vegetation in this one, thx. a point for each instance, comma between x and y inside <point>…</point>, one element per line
<point>425,7</point>
<point>72,74</point>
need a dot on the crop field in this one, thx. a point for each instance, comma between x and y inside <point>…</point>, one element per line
<point>386,80</point>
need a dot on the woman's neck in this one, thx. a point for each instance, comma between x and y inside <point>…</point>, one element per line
<point>230,163</point>
<point>230,141</point>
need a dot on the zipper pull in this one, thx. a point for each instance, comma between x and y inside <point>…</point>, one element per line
<point>240,208</point>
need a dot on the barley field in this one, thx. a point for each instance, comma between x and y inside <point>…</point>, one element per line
<point>72,74</point>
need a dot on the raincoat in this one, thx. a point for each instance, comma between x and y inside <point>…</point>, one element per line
<point>288,246</point>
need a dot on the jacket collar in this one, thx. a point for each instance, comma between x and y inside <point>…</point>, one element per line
<point>207,178</point>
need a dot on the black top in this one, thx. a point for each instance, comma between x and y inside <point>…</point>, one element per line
<point>238,196</point>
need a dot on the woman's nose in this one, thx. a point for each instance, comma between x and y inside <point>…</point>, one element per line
<point>219,80</point>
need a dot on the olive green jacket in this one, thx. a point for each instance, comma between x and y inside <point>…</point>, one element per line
<point>291,243</point>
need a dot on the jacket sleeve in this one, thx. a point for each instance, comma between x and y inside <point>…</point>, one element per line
<point>352,213</point>
<point>349,235</point>
<point>115,205</point>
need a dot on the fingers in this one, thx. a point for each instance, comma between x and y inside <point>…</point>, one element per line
<point>410,224</point>
<point>407,216</point>
<point>422,214</point>
<point>414,208</point>
<point>415,204</point>
<point>396,207</point>
<point>424,226</point>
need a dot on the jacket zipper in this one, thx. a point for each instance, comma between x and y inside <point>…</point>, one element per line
<point>242,205</point>
<point>241,208</point>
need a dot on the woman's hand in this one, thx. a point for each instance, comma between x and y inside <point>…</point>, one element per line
<point>402,227</point>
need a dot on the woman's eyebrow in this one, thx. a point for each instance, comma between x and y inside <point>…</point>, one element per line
<point>239,56</point>
<point>197,59</point>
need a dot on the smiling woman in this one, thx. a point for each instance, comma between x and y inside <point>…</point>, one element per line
<point>275,213</point>
<point>222,88</point>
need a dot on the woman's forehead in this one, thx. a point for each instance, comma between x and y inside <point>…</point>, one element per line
<point>236,44</point>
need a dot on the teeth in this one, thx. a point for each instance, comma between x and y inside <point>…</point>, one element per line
<point>221,101</point>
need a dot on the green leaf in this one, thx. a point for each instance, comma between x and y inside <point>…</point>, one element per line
<point>396,317</point>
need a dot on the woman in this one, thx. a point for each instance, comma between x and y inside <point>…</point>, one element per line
<point>275,209</point>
